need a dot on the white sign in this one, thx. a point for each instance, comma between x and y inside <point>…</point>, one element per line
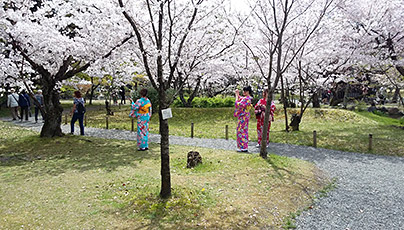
<point>166,113</point>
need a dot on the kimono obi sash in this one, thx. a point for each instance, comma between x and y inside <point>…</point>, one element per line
<point>144,109</point>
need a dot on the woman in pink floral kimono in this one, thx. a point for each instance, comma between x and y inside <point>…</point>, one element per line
<point>242,112</point>
<point>142,110</point>
<point>260,115</point>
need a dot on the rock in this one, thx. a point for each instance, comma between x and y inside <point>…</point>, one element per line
<point>295,121</point>
<point>193,159</point>
<point>393,111</point>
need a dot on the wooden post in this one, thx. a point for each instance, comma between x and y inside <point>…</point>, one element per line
<point>106,120</point>
<point>315,139</point>
<point>66,119</point>
<point>370,142</point>
<point>192,130</point>
<point>227,132</point>
<point>85,120</point>
<point>133,124</point>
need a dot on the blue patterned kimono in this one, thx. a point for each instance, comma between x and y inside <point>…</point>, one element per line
<point>142,110</point>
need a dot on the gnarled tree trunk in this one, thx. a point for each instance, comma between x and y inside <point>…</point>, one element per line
<point>53,110</point>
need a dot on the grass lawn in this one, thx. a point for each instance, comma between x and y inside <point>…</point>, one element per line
<point>336,129</point>
<point>78,182</point>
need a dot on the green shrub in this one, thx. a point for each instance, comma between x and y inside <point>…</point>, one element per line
<point>213,102</point>
<point>207,102</point>
<point>361,106</point>
<point>177,102</point>
<point>229,101</point>
<point>401,120</point>
<point>380,113</point>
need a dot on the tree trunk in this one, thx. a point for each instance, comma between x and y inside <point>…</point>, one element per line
<point>401,99</point>
<point>184,102</point>
<point>284,105</point>
<point>53,109</point>
<point>400,69</point>
<point>316,101</point>
<point>345,100</point>
<point>91,95</point>
<point>165,191</point>
<point>263,147</point>
<point>396,95</point>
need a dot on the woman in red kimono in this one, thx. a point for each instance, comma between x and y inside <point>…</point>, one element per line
<point>260,115</point>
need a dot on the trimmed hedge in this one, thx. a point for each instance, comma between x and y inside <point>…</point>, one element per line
<point>207,102</point>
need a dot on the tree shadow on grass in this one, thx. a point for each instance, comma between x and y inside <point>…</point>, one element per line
<point>55,156</point>
<point>201,219</point>
<point>296,178</point>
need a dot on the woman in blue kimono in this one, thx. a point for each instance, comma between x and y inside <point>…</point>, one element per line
<point>142,110</point>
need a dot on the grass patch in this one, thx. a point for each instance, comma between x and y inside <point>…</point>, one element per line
<point>78,182</point>
<point>336,129</point>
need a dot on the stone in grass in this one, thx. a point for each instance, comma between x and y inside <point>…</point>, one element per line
<point>193,159</point>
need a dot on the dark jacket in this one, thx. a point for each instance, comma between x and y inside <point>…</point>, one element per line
<point>23,100</point>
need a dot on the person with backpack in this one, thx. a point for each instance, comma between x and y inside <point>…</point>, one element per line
<point>77,112</point>
<point>142,110</point>
<point>24,103</point>
<point>12,103</point>
<point>39,97</point>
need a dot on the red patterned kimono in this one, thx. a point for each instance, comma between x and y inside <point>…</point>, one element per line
<point>260,113</point>
<point>242,112</point>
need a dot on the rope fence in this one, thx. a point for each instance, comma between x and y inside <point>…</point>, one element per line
<point>371,139</point>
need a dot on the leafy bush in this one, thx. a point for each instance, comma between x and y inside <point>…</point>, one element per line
<point>401,120</point>
<point>380,113</point>
<point>207,102</point>
<point>229,101</point>
<point>177,102</point>
<point>361,106</point>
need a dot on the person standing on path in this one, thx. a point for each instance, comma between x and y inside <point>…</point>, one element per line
<point>242,112</point>
<point>24,103</point>
<point>122,94</point>
<point>12,103</point>
<point>142,110</point>
<point>260,115</point>
<point>39,97</point>
<point>78,111</point>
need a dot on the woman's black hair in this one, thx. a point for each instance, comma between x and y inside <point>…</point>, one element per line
<point>248,88</point>
<point>143,92</point>
<point>77,94</point>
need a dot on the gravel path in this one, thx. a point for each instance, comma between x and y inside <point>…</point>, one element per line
<point>369,193</point>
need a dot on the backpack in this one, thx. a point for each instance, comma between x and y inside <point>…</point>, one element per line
<point>80,108</point>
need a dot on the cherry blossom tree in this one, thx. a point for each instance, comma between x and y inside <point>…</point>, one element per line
<point>209,66</point>
<point>56,40</point>
<point>163,31</point>
<point>278,22</point>
<point>376,27</point>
